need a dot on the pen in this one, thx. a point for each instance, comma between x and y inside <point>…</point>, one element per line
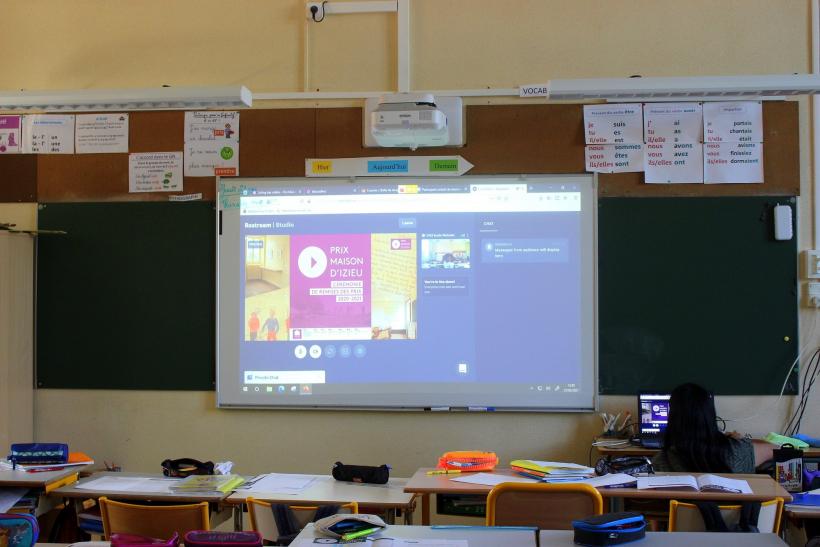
<point>444,471</point>
<point>360,533</point>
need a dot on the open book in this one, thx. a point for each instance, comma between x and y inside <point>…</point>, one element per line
<point>703,483</point>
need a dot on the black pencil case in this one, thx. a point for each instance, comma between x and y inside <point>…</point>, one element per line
<point>361,473</point>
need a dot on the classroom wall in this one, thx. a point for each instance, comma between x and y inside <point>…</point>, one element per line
<point>16,325</point>
<point>456,44</point>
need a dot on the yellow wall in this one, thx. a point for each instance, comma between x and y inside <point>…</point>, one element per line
<point>455,44</point>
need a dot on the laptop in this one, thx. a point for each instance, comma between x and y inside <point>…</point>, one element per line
<point>653,408</point>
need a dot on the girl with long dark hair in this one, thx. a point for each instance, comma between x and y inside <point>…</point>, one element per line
<point>693,442</point>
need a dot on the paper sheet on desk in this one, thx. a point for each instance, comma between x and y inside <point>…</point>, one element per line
<point>280,483</point>
<point>10,496</point>
<point>129,484</point>
<point>490,479</point>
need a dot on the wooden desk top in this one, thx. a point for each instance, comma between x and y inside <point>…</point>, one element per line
<point>559,538</point>
<point>325,489</point>
<point>43,479</point>
<point>763,488</point>
<point>72,491</point>
<point>476,536</point>
<point>636,450</point>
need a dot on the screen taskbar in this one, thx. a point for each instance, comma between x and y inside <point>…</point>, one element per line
<point>301,389</point>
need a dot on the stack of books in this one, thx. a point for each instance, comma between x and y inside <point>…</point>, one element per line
<point>552,471</point>
<point>207,483</point>
<point>74,459</point>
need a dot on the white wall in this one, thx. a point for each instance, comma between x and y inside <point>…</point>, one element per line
<point>16,326</point>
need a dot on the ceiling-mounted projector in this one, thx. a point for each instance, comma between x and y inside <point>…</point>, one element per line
<point>410,120</point>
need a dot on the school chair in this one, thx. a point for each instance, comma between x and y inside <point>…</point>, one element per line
<point>685,517</point>
<point>262,521</point>
<point>156,521</point>
<point>547,506</point>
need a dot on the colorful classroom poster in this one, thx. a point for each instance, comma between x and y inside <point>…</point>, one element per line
<point>673,122</point>
<point>211,144</point>
<point>613,124</point>
<point>733,162</point>
<point>48,134</point>
<point>101,134</point>
<point>614,158</point>
<point>673,163</point>
<point>9,134</point>
<point>155,172</point>
<point>740,121</point>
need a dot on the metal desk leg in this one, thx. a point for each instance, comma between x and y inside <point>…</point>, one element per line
<point>237,516</point>
<point>425,509</point>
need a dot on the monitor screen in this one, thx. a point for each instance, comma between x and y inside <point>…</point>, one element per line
<point>654,412</point>
<point>469,292</point>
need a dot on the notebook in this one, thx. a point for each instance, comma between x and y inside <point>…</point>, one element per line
<point>703,483</point>
<point>653,408</point>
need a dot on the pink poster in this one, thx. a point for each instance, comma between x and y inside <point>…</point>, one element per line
<point>331,281</point>
<point>9,134</point>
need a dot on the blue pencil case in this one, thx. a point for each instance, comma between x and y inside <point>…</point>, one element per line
<point>34,453</point>
<point>19,530</point>
<point>610,529</point>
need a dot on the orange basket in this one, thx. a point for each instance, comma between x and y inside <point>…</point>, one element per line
<point>468,460</point>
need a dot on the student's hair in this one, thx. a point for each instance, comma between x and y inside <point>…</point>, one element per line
<point>693,433</point>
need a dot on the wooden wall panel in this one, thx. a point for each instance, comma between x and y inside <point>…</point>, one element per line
<point>525,139</point>
<point>501,139</point>
<point>18,178</point>
<point>275,143</point>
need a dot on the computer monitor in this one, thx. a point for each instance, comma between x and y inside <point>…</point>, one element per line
<point>654,412</point>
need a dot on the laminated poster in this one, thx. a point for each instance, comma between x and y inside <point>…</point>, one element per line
<point>211,144</point>
<point>673,122</point>
<point>9,134</point>
<point>740,121</point>
<point>673,163</point>
<point>48,134</point>
<point>155,172</point>
<point>614,158</point>
<point>101,133</point>
<point>733,162</point>
<point>613,124</point>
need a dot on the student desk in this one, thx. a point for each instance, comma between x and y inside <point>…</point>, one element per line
<point>549,538</point>
<point>70,491</point>
<point>476,536</point>
<point>45,481</point>
<point>763,488</point>
<point>637,450</point>
<point>326,490</point>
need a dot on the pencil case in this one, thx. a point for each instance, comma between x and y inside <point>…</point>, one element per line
<point>361,473</point>
<point>135,540</point>
<point>468,460</point>
<point>206,538</point>
<point>609,529</point>
<point>32,453</point>
<point>18,530</point>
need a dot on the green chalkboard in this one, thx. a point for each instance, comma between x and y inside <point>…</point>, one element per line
<point>695,289</point>
<point>125,300</point>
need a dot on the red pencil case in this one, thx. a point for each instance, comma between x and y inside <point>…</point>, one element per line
<point>204,538</point>
<point>134,540</point>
